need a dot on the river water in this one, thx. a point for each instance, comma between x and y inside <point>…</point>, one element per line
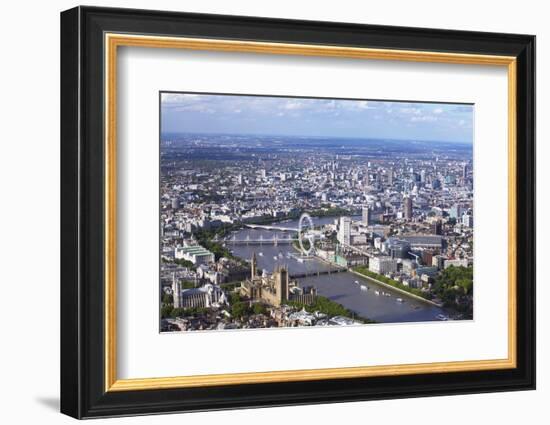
<point>343,288</point>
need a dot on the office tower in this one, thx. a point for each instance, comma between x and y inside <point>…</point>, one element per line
<point>366,216</point>
<point>455,211</point>
<point>366,178</point>
<point>468,220</point>
<point>436,227</point>
<point>344,230</point>
<point>407,208</point>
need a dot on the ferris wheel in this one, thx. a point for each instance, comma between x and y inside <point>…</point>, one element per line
<point>305,233</point>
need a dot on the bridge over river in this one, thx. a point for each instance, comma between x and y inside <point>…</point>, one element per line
<point>268,227</point>
<point>317,273</point>
<point>275,240</point>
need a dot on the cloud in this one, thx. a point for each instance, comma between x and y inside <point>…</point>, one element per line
<point>410,110</point>
<point>463,108</point>
<point>386,118</point>
<point>293,105</point>
<point>423,118</point>
<point>171,98</point>
<point>355,105</point>
<point>199,107</point>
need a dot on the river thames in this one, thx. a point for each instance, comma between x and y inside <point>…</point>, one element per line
<point>359,294</point>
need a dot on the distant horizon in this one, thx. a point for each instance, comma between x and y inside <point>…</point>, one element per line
<point>258,115</point>
<point>204,133</point>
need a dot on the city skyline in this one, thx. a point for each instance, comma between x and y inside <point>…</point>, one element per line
<point>316,117</point>
<point>340,226</point>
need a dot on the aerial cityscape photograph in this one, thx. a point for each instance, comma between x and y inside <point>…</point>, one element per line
<point>280,212</point>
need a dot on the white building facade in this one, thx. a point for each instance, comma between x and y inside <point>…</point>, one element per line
<point>344,231</point>
<point>382,265</point>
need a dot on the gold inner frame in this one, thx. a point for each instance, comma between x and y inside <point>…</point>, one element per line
<point>113,41</point>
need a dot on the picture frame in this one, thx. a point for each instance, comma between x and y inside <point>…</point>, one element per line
<point>90,41</point>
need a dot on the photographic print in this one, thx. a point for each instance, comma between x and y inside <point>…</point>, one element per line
<point>339,179</point>
<point>280,212</point>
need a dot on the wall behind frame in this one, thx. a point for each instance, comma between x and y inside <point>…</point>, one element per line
<point>29,221</point>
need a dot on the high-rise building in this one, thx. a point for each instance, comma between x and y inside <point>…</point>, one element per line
<point>366,216</point>
<point>455,211</point>
<point>465,170</point>
<point>390,177</point>
<point>175,203</point>
<point>263,173</point>
<point>436,228</point>
<point>344,230</point>
<point>468,220</point>
<point>423,176</point>
<point>407,208</point>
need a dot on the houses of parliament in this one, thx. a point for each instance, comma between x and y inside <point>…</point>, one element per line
<point>275,289</point>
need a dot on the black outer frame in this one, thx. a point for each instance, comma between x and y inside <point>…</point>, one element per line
<point>82,207</point>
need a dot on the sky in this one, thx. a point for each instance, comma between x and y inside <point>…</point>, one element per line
<point>291,116</point>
